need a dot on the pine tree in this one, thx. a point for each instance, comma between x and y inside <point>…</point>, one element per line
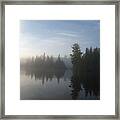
<point>76,59</point>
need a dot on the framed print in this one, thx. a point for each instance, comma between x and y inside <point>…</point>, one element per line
<point>59,59</point>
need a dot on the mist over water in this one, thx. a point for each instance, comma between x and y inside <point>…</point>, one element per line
<point>56,85</point>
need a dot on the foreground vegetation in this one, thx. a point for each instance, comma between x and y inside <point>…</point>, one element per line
<point>86,71</point>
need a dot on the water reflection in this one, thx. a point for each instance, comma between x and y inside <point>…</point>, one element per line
<point>45,75</point>
<point>88,88</point>
<point>76,87</point>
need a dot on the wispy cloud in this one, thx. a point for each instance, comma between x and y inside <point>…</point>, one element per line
<point>67,34</point>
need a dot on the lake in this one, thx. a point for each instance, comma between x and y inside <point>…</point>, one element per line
<point>38,85</point>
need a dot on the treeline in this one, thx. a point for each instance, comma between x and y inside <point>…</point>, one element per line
<point>85,63</point>
<point>86,70</point>
<point>43,62</point>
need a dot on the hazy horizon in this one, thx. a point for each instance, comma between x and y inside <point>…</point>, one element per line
<point>54,37</point>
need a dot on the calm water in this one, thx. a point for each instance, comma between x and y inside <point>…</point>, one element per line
<point>36,85</point>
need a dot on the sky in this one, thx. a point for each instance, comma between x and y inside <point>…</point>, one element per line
<point>54,37</point>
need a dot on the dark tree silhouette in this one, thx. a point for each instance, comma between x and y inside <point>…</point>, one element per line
<point>76,59</point>
<point>86,71</point>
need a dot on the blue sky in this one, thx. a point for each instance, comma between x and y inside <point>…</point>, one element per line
<point>57,36</point>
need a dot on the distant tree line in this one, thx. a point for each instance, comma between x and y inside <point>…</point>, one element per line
<point>43,63</point>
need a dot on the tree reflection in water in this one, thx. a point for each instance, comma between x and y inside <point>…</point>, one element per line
<point>90,85</point>
<point>45,75</point>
